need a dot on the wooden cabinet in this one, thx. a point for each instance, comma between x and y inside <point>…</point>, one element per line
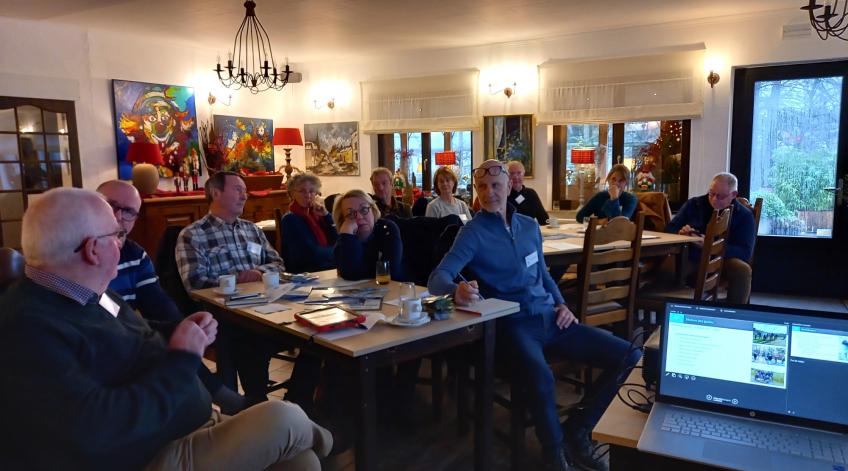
<point>158,213</point>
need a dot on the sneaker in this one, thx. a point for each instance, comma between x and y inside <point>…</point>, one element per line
<point>581,451</point>
<point>557,460</point>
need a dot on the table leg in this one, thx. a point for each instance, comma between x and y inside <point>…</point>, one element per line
<point>366,417</point>
<point>484,382</point>
<point>681,259</point>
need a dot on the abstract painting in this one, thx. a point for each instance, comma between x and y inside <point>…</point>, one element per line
<point>510,138</point>
<point>247,143</point>
<point>332,149</point>
<point>162,114</point>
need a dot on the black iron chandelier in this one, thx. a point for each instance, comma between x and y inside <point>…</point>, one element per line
<point>251,63</point>
<point>833,21</point>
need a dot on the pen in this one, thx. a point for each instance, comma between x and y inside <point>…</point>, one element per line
<point>463,279</point>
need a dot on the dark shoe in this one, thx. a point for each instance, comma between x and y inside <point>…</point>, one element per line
<point>581,450</point>
<point>557,460</point>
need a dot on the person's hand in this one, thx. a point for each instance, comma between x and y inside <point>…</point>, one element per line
<point>466,293</point>
<point>189,337</point>
<point>319,208</point>
<point>207,324</point>
<point>248,275</point>
<point>564,316</point>
<point>614,192</point>
<point>349,226</point>
<point>688,230</point>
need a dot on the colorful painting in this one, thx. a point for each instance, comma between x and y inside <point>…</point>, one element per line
<point>162,114</point>
<point>247,143</point>
<point>332,149</point>
<point>510,138</point>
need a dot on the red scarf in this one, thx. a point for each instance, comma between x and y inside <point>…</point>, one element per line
<point>312,220</point>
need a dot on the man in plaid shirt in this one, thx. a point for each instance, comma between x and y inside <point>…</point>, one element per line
<point>221,243</point>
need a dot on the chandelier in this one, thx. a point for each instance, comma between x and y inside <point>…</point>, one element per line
<point>251,63</point>
<point>834,20</point>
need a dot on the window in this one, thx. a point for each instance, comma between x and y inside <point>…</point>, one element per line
<point>416,152</point>
<point>38,151</point>
<point>656,152</point>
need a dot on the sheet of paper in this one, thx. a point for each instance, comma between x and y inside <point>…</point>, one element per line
<point>396,301</point>
<point>338,283</point>
<point>280,317</point>
<point>371,318</point>
<point>649,236</point>
<point>561,245</point>
<point>270,308</point>
<point>280,291</point>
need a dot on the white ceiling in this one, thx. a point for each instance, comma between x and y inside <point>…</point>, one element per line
<point>310,30</point>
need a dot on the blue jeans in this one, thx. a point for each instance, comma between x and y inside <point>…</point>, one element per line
<point>525,341</point>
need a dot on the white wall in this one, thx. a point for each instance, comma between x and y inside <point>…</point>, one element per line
<point>39,59</point>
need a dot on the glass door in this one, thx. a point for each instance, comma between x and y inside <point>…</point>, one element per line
<point>788,147</point>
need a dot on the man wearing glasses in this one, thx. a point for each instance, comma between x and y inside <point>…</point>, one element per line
<point>501,252</point>
<point>138,285</point>
<point>88,385</point>
<point>692,220</point>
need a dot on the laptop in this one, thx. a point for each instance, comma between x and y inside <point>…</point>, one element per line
<point>751,387</point>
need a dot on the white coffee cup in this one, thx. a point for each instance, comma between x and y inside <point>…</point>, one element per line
<point>227,284</point>
<point>553,223</point>
<point>410,309</point>
<point>271,279</point>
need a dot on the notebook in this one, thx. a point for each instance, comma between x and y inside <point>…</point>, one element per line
<point>489,306</point>
<point>751,387</point>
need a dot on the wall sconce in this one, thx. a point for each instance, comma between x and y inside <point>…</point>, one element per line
<point>331,104</point>
<point>508,91</point>
<point>212,99</point>
<point>713,78</point>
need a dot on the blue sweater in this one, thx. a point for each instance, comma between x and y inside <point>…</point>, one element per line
<point>357,259</point>
<point>301,251</point>
<point>602,206</point>
<point>697,212</point>
<point>506,265</point>
<point>138,285</point>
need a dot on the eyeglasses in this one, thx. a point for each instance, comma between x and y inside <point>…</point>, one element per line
<point>362,211</point>
<point>718,196</point>
<point>127,214</point>
<point>494,171</point>
<point>119,234</point>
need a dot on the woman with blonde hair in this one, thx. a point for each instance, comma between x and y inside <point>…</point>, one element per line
<point>446,204</point>
<point>307,229</point>
<point>613,202</point>
<point>364,237</point>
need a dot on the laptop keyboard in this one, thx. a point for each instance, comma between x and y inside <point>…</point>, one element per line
<point>766,438</point>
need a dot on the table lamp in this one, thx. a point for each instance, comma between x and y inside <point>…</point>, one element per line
<point>287,137</point>
<point>145,175</point>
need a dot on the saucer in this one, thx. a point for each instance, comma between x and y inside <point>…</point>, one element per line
<point>225,293</point>
<point>417,323</point>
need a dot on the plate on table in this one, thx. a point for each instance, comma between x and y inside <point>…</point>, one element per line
<point>425,319</point>
<point>225,293</point>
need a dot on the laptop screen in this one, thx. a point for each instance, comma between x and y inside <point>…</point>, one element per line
<point>758,359</point>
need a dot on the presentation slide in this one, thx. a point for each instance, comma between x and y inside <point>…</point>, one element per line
<point>819,345</point>
<point>709,352</point>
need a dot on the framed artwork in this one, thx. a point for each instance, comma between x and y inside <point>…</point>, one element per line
<point>162,114</point>
<point>510,137</point>
<point>247,143</point>
<point>332,149</point>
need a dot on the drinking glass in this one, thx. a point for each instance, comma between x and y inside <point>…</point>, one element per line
<point>382,272</point>
<point>405,293</point>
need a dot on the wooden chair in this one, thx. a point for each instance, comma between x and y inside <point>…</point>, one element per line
<point>757,209</point>
<point>654,206</point>
<point>11,267</point>
<point>712,256</point>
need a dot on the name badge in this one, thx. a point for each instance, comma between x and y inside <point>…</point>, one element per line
<point>531,259</point>
<point>520,199</point>
<point>254,248</point>
<point>110,306</point>
<point>463,218</point>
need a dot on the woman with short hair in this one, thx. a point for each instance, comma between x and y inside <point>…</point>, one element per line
<point>447,204</point>
<point>307,229</point>
<point>613,202</point>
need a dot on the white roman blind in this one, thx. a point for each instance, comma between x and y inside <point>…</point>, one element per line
<point>648,87</point>
<point>446,102</point>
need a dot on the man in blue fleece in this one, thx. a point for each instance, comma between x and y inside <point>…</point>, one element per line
<point>692,220</point>
<point>501,251</point>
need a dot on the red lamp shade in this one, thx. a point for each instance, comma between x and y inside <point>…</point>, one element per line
<point>145,153</point>
<point>287,137</point>
<point>583,155</point>
<point>446,158</point>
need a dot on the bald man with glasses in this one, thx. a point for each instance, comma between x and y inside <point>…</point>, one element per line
<point>501,252</point>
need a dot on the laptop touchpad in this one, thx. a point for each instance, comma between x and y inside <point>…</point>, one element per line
<point>742,456</point>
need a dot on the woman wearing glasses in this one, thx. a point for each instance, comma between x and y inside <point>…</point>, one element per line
<point>615,201</point>
<point>307,229</point>
<point>364,237</point>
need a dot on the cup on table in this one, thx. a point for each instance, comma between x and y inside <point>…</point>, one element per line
<point>382,272</point>
<point>227,284</point>
<point>271,279</point>
<point>410,304</point>
<point>553,223</point>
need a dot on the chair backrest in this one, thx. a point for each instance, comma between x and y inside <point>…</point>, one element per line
<point>419,208</point>
<point>329,201</point>
<point>278,231</point>
<point>11,267</point>
<point>608,274</point>
<point>654,205</point>
<point>419,236</point>
<point>757,209</point>
<point>169,274</point>
<point>712,256</point>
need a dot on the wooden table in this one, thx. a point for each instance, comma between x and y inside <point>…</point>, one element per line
<point>382,345</point>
